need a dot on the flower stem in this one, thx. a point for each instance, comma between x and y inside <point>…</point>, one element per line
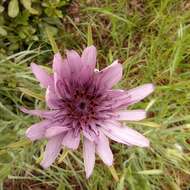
<point>114,173</point>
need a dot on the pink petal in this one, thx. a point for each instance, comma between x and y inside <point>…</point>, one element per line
<point>126,98</point>
<point>61,87</point>
<point>139,93</point>
<point>71,140</point>
<point>37,130</point>
<point>61,66</point>
<point>110,76</point>
<point>58,64</point>
<point>86,74</point>
<point>52,150</point>
<point>74,62</point>
<point>112,136</point>
<point>89,156</point>
<point>90,134</point>
<point>120,99</point>
<point>89,56</point>
<point>125,134</point>
<point>103,150</point>
<point>56,130</point>
<point>114,93</point>
<point>52,99</point>
<point>40,113</point>
<point>43,77</point>
<point>131,115</point>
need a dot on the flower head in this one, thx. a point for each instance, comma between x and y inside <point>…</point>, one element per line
<point>82,102</point>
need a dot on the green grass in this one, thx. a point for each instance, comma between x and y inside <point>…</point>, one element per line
<point>152,39</point>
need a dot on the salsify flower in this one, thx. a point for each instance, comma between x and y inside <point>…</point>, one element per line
<point>82,102</point>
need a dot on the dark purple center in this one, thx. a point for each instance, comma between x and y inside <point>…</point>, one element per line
<point>82,105</point>
<point>86,104</point>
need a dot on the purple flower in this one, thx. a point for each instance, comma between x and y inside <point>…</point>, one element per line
<point>81,103</point>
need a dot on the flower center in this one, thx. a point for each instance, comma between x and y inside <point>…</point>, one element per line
<point>82,105</point>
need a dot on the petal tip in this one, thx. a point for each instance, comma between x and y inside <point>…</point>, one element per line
<point>29,135</point>
<point>146,143</point>
<point>23,109</point>
<point>92,48</point>
<point>44,165</point>
<point>71,52</point>
<point>151,87</point>
<point>33,66</point>
<point>110,163</point>
<point>57,56</point>
<point>88,175</point>
<point>144,114</point>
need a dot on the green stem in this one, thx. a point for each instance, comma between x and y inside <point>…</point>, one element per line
<point>114,173</point>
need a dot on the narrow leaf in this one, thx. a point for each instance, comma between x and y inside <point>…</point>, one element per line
<point>151,172</point>
<point>114,173</point>
<point>52,40</point>
<point>32,94</point>
<point>3,32</point>
<point>5,170</point>
<point>89,36</point>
